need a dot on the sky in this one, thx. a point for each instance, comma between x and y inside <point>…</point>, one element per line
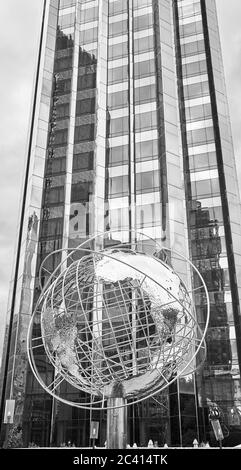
<point>19,36</point>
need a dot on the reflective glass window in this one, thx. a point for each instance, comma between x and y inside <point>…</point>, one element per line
<point>88,36</point>
<point>194,68</point>
<point>81,191</point>
<point>147,181</point>
<point>118,155</point>
<point>199,136</point>
<point>54,195</point>
<point>63,86</point>
<point>90,14</point>
<point>192,48</point>
<point>143,22</point>
<point>199,112</point>
<point>119,126</point>
<point>118,74</point>
<point>55,165</point>
<point>62,111</point>
<point>195,90</point>
<point>86,81</point>
<point>63,63</point>
<point>85,132</point>
<point>83,161</point>
<point>145,121</point>
<point>117,7</point>
<point>141,3</point>
<point>203,161</point>
<point>85,106</point>
<point>118,185</point>
<point>63,41</point>
<point>52,227</point>
<point>145,94</point>
<point>118,100</point>
<point>190,9</point>
<point>61,137</point>
<point>85,58</point>
<point>143,44</point>
<point>191,28</point>
<point>205,188</point>
<point>118,28</point>
<point>146,150</point>
<point>118,50</point>
<point>144,69</point>
<point>66,3</point>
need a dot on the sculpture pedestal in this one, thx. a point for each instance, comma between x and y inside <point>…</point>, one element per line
<point>117,424</point>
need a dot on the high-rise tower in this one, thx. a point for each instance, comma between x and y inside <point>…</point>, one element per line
<point>130,130</point>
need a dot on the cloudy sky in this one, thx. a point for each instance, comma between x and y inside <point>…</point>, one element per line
<point>19,33</point>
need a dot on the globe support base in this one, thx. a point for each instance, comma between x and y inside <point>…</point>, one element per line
<point>117,423</point>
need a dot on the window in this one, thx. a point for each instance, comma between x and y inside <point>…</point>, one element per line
<point>88,36</point>
<point>118,100</point>
<point>81,191</point>
<point>61,137</point>
<point>118,50</point>
<point>66,3</point>
<point>148,181</point>
<point>143,22</point>
<point>146,150</point>
<point>203,161</point>
<point>205,188</point>
<point>87,81</point>
<point>83,161</point>
<point>145,94</point>
<point>52,227</point>
<point>63,41</point>
<point>198,112</point>
<point>118,74</point>
<point>85,58</point>
<point>198,136</point>
<point>190,10</point>
<point>63,63</point>
<point>117,7</point>
<point>119,126</point>
<point>141,3</point>
<point>54,195</point>
<point>62,111</point>
<point>192,48</point>
<point>63,86</point>
<point>83,133</point>
<point>118,155</point>
<point>118,186</point>
<point>143,44</point>
<point>144,69</point>
<point>195,90</point>
<point>90,14</point>
<point>85,107</point>
<point>191,28</point>
<point>55,165</point>
<point>145,121</point>
<point>194,68</point>
<point>119,28</point>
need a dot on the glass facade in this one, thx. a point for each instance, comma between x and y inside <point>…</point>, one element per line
<point>130,131</point>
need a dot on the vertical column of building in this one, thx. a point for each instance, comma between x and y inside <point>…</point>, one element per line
<point>228,186</point>
<point>26,256</point>
<point>101,118</point>
<point>207,201</point>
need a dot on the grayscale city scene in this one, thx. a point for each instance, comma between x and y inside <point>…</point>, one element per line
<point>121,298</point>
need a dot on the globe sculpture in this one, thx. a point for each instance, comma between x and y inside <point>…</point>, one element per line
<point>117,324</point>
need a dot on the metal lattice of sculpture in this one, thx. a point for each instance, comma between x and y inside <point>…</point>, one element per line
<point>112,317</point>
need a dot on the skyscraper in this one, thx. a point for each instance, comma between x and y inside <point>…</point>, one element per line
<point>130,130</point>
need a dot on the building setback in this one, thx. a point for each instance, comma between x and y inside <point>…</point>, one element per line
<point>130,130</point>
